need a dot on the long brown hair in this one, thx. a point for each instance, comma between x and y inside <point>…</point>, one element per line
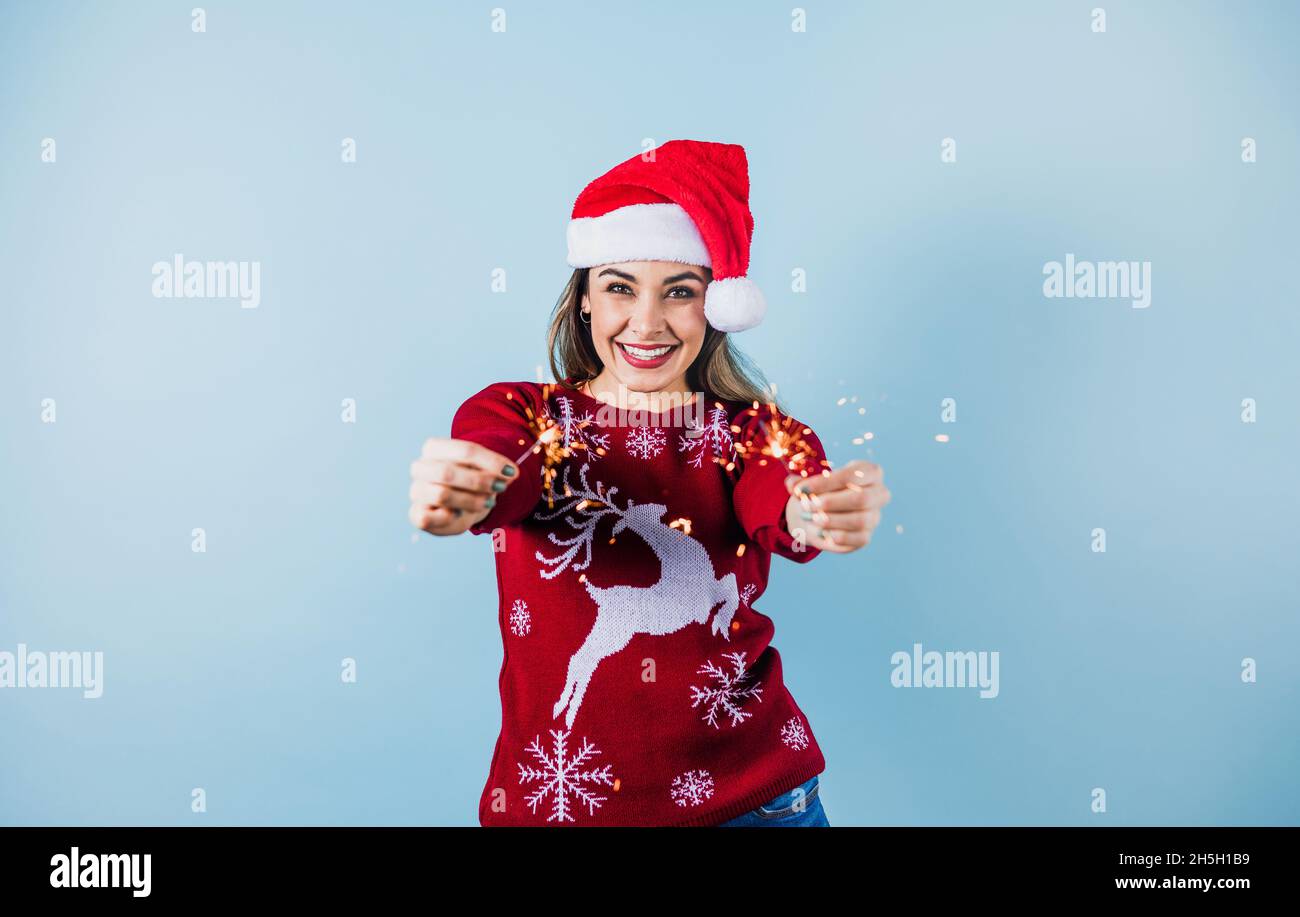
<point>720,370</point>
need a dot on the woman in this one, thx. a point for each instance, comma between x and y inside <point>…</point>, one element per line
<point>639,684</point>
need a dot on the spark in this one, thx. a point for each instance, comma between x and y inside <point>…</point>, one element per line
<point>782,439</point>
<point>549,443</point>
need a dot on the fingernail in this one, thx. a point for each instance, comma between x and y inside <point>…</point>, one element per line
<point>498,486</point>
<point>802,488</point>
<point>491,502</point>
<point>806,515</point>
<point>459,513</point>
<point>508,471</point>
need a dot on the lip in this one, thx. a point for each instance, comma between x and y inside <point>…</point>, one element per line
<point>638,363</point>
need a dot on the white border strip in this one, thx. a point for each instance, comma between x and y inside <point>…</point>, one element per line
<point>637,232</point>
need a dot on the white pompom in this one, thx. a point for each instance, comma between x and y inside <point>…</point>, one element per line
<point>734,304</point>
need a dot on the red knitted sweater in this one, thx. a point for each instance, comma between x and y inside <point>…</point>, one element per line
<point>639,684</point>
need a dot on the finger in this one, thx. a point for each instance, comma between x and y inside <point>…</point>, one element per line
<point>442,495</point>
<point>435,520</point>
<point>464,452</point>
<point>859,473</point>
<point>845,541</point>
<point>461,477</point>
<point>852,522</point>
<point>845,522</point>
<point>809,484</point>
<point>873,496</point>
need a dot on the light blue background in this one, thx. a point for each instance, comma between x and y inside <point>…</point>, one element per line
<point>1118,670</point>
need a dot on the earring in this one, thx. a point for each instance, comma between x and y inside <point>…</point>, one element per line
<point>582,314</point>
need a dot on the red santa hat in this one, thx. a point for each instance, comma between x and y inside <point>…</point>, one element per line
<point>688,201</point>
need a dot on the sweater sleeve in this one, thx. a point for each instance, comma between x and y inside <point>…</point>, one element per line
<point>498,419</point>
<point>760,496</point>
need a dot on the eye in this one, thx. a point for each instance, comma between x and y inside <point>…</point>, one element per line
<point>619,288</point>
<point>687,293</point>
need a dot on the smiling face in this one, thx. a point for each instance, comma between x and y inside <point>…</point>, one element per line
<point>647,322</point>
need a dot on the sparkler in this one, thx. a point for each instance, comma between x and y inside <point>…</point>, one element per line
<point>782,439</point>
<point>550,443</point>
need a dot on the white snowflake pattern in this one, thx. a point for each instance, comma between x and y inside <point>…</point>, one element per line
<point>521,622</point>
<point>646,442</point>
<point>579,429</point>
<point>564,780</point>
<point>715,438</point>
<point>691,788</point>
<point>794,735</point>
<point>748,593</point>
<point>732,690</point>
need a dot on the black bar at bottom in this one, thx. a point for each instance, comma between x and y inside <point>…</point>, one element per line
<point>207,865</point>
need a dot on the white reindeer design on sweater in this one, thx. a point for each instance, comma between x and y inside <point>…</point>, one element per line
<point>687,590</point>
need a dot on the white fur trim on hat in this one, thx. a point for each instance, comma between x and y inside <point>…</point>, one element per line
<point>734,304</point>
<point>637,232</point>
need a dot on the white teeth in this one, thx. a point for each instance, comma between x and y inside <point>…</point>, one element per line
<point>643,354</point>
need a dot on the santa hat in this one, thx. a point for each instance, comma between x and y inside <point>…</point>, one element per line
<point>688,201</point>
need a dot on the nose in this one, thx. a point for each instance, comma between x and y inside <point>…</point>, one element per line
<point>648,319</point>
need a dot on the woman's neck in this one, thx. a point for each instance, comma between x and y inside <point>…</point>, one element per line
<point>608,389</point>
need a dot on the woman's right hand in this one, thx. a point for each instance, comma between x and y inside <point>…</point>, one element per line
<point>454,484</point>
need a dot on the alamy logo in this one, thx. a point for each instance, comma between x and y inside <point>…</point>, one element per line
<point>53,670</point>
<point>1098,280</point>
<point>102,870</point>
<point>933,669</point>
<point>183,279</point>
<point>672,410</point>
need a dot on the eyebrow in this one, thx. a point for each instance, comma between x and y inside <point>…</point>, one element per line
<point>685,275</point>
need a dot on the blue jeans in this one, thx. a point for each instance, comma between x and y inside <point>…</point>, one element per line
<point>781,812</point>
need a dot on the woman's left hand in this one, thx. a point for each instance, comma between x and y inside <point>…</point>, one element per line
<point>842,507</point>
